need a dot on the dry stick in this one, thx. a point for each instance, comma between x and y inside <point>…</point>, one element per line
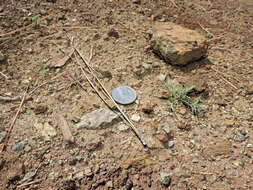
<point>23,28</point>
<point>173,2</point>
<point>90,82</point>
<point>33,90</point>
<point>14,121</point>
<point>225,75</point>
<point>222,77</point>
<point>30,183</point>
<point>7,99</point>
<point>205,30</point>
<point>91,55</point>
<point>109,95</point>
<point>5,76</point>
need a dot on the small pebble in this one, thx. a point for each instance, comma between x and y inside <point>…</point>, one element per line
<point>171,144</point>
<point>27,148</point>
<point>240,136</point>
<point>165,178</point>
<point>162,77</point>
<point>25,81</point>
<point>19,147</point>
<point>2,136</point>
<point>8,94</point>
<point>123,127</point>
<point>136,117</point>
<point>2,57</point>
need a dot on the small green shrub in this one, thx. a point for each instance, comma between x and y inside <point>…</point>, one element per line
<point>180,95</point>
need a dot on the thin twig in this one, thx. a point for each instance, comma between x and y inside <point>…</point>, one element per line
<point>37,87</point>
<point>8,99</point>
<point>223,78</point>
<point>23,28</point>
<point>5,76</point>
<point>16,98</point>
<point>14,121</point>
<point>30,183</point>
<point>207,31</point>
<point>173,2</point>
<point>90,82</point>
<point>91,55</point>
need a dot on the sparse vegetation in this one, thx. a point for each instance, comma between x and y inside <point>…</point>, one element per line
<point>34,18</point>
<point>180,95</point>
<point>44,70</point>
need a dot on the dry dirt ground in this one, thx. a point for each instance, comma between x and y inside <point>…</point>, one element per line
<point>210,150</point>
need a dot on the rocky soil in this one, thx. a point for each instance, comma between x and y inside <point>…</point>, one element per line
<point>60,141</point>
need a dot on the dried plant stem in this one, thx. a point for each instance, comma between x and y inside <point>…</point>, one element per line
<point>207,31</point>
<point>5,76</point>
<point>224,78</point>
<point>23,28</point>
<point>14,121</point>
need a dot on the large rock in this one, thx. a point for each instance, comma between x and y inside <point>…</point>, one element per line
<point>178,45</point>
<point>98,119</point>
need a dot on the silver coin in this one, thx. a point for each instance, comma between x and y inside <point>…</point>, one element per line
<point>124,95</point>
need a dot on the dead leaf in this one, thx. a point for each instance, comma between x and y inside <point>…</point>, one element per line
<point>61,62</point>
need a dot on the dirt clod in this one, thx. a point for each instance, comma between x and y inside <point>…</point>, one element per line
<point>178,45</point>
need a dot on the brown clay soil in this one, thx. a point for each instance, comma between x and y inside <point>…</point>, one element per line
<point>212,150</point>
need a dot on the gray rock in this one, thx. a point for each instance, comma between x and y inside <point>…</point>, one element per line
<point>2,57</point>
<point>178,45</point>
<point>240,136</point>
<point>162,77</point>
<point>165,178</point>
<point>25,81</point>
<point>27,148</point>
<point>2,136</point>
<point>53,175</point>
<point>147,67</point>
<point>171,144</point>
<point>167,129</point>
<point>19,147</point>
<point>123,127</point>
<point>98,119</point>
<point>136,117</point>
<point>79,175</point>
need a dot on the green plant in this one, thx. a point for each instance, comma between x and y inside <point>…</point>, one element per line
<point>180,95</point>
<point>44,70</point>
<point>34,18</point>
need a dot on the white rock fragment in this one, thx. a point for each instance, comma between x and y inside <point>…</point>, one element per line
<point>123,127</point>
<point>136,118</point>
<point>162,77</point>
<point>98,119</point>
